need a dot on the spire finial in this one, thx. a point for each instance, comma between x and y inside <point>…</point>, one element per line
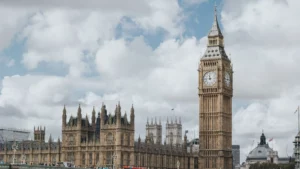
<point>215,30</point>
<point>215,8</point>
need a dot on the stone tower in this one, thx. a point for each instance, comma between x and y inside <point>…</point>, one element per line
<point>154,131</point>
<point>174,132</point>
<point>116,138</point>
<point>76,132</point>
<point>215,103</point>
<point>39,134</point>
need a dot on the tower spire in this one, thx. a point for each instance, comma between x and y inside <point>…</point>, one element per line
<point>215,46</point>
<point>215,30</point>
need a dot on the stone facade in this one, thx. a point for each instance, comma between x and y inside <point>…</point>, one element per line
<point>154,131</point>
<point>215,103</point>
<point>31,152</point>
<point>174,132</point>
<point>111,144</point>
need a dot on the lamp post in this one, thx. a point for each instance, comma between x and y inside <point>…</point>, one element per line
<point>15,148</point>
<point>114,156</point>
<point>24,159</point>
<point>178,164</point>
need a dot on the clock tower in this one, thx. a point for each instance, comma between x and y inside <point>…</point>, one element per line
<point>215,103</point>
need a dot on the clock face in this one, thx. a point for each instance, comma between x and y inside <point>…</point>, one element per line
<point>227,79</point>
<point>210,78</point>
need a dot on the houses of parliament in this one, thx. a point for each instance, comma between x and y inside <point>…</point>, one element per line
<point>108,140</point>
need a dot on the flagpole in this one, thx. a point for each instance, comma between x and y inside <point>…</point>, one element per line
<point>298,121</point>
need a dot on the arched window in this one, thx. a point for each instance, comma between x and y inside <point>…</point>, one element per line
<point>109,138</point>
<point>128,139</point>
<point>171,138</point>
<point>122,139</point>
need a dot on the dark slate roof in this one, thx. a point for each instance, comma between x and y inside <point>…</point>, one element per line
<point>159,148</point>
<point>74,120</point>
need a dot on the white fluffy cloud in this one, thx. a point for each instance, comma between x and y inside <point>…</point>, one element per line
<point>262,39</point>
<point>150,92</point>
<point>77,35</point>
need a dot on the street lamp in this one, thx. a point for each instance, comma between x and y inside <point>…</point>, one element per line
<point>178,164</point>
<point>24,159</point>
<point>15,148</point>
<point>112,161</point>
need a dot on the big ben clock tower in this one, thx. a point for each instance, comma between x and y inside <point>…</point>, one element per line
<point>215,103</point>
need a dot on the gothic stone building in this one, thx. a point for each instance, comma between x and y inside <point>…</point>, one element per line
<point>109,138</point>
<point>105,141</point>
<point>35,152</point>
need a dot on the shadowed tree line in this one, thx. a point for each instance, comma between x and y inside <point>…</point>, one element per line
<point>272,166</point>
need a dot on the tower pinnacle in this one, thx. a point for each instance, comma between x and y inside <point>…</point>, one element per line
<point>215,30</point>
<point>215,46</point>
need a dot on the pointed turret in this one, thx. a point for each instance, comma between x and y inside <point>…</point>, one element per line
<point>86,120</point>
<point>79,117</point>
<point>132,115</point>
<point>125,118</point>
<point>94,118</point>
<point>262,139</point>
<point>215,30</point>
<point>118,114</point>
<point>50,139</point>
<point>102,114</point>
<point>215,46</point>
<point>64,117</point>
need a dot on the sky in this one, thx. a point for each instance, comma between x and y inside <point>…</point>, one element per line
<point>146,53</point>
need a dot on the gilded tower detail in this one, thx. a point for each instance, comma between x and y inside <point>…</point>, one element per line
<point>215,103</point>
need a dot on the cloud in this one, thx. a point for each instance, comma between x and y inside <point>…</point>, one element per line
<point>193,2</point>
<point>9,27</point>
<point>82,34</point>
<point>135,57</point>
<point>264,58</point>
<point>122,79</point>
<point>139,6</point>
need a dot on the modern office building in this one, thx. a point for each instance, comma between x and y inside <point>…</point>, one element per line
<point>235,155</point>
<point>10,134</point>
